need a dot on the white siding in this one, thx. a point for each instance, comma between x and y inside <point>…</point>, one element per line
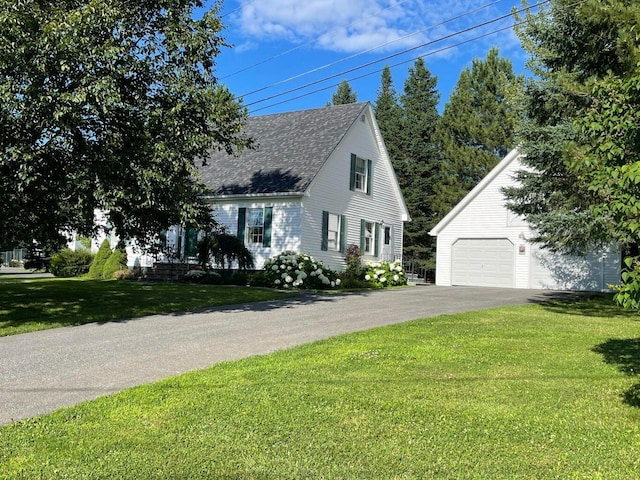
<point>330,192</point>
<point>285,227</point>
<point>483,215</point>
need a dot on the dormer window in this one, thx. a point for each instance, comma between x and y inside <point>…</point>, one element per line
<point>361,174</point>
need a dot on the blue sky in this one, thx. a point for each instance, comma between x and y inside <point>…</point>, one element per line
<point>285,45</point>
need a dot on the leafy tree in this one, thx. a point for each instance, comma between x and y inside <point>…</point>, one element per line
<point>417,167</point>
<point>389,116</point>
<point>476,128</point>
<point>107,105</point>
<point>97,266</point>
<point>344,94</point>
<point>580,129</point>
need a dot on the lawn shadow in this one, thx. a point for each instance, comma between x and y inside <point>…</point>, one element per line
<point>585,304</point>
<point>625,354</point>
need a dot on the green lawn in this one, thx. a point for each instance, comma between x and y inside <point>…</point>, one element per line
<point>532,392</point>
<point>37,304</point>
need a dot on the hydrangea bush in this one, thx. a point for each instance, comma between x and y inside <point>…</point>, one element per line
<point>298,270</point>
<point>385,274</point>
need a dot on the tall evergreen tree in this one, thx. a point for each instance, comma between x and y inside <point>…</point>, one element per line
<point>571,45</point>
<point>389,116</point>
<point>579,129</point>
<point>344,94</point>
<point>418,164</point>
<point>476,128</point>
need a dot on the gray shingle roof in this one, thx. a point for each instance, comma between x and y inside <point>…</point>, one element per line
<point>290,150</point>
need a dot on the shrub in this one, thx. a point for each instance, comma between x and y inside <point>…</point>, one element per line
<point>223,250</point>
<point>352,276</point>
<point>70,263</point>
<point>385,274</point>
<point>97,266</point>
<point>298,270</point>
<point>116,261</point>
<point>126,274</point>
<point>203,276</point>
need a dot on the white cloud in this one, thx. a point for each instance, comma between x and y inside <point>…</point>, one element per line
<point>337,25</point>
<point>350,26</point>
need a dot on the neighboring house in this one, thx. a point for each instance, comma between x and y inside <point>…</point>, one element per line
<point>482,243</point>
<point>317,181</point>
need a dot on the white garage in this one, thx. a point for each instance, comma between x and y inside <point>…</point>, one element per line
<point>481,243</point>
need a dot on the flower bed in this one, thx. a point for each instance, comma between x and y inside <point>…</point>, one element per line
<point>385,274</point>
<point>298,270</point>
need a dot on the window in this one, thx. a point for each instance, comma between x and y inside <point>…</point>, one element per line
<point>333,232</point>
<point>387,235</point>
<point>254,225</point>
<point>361,174</point>
<point>368,238</point>
<point>369,234</point>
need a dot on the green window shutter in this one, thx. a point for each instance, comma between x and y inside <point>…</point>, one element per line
<point>266,237</point>
<point>324,244</point>
<point>363,228</point>
<point>190,242</point>
<point>343,240</point>
<point>376,240</point>
<point>352,180</point>
<point>369,176</point>
<point>242,215</point>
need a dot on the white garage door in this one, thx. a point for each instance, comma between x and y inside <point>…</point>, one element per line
<point>485,262</point>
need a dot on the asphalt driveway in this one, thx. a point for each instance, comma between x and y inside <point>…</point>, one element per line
<point>43,371</point>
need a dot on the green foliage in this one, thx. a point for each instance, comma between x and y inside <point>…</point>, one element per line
<point>574,45</point>
<point>476,128</point>
<point>107,105</point>
<point>385,274</point>
<point>418,165</point>
<point>224,250</point>
<point>628,292</point>
<point>344,94</point>
<point>389,117</point>
<point>99,261</point>
<point>70,263</point>
<point>299,270</point>
<point>116,262</point>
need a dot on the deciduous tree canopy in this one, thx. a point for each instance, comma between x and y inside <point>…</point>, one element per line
<point>107,105</point>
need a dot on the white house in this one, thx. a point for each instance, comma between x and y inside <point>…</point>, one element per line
<point>317,181</point>
<point>482,243</point>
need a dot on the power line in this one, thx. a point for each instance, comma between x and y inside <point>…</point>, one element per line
<point>433,52</point>
<point>317,69</point>
<point>368,64</point>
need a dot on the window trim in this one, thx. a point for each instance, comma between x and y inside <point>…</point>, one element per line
<point>243,228</point>
<point>341,240</point>
<point>375,238</point>
<point>368,175</point>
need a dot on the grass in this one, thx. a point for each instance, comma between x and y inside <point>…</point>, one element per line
<point>532,392</point>
<point>37,304</point>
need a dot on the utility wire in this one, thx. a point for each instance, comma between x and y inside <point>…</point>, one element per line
<point>433,52</point>
<point>317,69</point>
<point>397,54</point>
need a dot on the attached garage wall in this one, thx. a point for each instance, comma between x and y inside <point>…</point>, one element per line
<point>485,262</point>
